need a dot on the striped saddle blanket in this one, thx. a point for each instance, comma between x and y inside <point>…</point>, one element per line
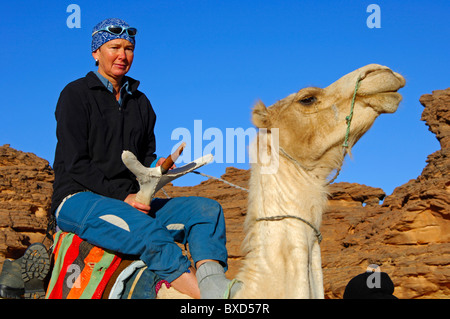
<point>83,271</point>
<point>80,270</point>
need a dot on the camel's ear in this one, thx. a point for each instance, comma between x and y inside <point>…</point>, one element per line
<point>260,116</point>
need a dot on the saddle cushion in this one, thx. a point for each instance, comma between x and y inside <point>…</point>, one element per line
<point>81,270</point>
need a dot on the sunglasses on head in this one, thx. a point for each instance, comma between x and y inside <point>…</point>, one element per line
<point>118,30</point>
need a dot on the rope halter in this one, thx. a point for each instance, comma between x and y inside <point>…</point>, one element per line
<point>348,120</point>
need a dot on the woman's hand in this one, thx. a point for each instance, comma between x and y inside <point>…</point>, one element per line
<point>131,199</point>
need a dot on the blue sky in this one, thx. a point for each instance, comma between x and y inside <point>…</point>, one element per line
<point>211,60</point>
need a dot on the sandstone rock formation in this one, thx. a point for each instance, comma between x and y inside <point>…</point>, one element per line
<point>25,197</point>
<point>407,234</point>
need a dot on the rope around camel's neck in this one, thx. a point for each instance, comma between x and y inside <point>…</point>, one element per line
<point>305,175</point>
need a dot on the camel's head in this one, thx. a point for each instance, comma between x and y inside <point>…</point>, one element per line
<point>312,122</point>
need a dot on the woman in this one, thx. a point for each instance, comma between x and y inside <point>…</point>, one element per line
<point>98,117</point>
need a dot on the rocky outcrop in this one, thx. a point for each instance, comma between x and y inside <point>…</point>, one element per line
<point>25,197</point>
<point>407,234</point>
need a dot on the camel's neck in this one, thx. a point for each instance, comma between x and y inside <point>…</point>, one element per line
<point>290,191</point>
<point>275,250</point>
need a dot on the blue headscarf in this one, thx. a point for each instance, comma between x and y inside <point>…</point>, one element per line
<point>102,37</point>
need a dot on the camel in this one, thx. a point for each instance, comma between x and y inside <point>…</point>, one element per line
<point>282,256</point>
<point>315,130</point>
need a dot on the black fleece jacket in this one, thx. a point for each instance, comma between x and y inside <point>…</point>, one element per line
<point>92,130</point>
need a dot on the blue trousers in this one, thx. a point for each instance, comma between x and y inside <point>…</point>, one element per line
<point>115,225</point>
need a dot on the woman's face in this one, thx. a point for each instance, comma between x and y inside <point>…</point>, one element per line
<point>115,58</point>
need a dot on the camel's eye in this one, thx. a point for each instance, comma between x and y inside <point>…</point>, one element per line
<point>308,101</point>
